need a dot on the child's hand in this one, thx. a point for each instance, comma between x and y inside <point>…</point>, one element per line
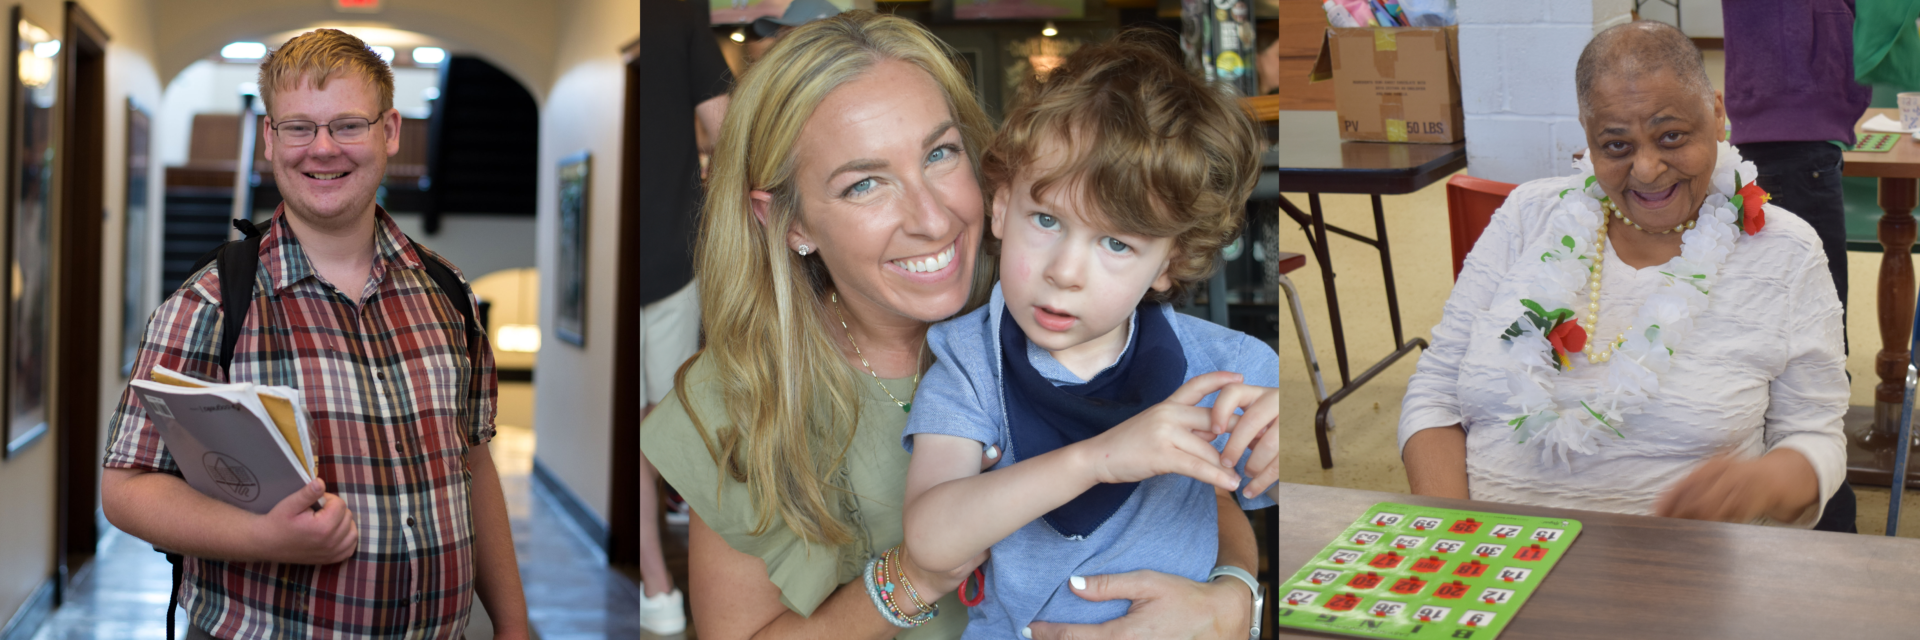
<point>1254,428</point>
<point>1171,437</point>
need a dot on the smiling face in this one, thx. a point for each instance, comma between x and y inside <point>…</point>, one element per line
<point>329,184</point>
<point>887,196</point>
<point>1071,281</point>
<point>1653,143</point>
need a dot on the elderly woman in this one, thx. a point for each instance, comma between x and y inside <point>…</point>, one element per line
<point>1648,336</point>
<point>844,215</point>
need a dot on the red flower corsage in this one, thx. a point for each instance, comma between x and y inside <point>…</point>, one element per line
<point>1567,339</point>
<point>1750,201</point>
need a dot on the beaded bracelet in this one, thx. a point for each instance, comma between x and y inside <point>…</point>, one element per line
<point>888,590</point>
<point>899,569</point>
<point>891,562</point>
<point>881,592</point>
<point>874,594</point>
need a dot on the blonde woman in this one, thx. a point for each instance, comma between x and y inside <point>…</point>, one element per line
<point>843,216</point>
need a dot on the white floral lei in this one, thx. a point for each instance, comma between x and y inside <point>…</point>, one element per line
<point>1660,327</point>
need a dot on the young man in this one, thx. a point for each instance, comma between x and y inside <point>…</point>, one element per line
<point>413,522</point>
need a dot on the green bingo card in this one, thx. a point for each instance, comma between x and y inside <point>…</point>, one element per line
<point>1403,571</point>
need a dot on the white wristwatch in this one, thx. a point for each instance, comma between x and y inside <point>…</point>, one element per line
<point>1259,593</point>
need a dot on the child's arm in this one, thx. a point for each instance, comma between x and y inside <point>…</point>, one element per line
<point>954,512</point>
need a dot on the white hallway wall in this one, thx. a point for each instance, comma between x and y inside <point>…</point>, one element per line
<point>583,112</point>
<point>27,528</point>
<point>520,37</point>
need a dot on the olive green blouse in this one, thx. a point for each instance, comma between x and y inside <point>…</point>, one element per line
<point>874,480</point>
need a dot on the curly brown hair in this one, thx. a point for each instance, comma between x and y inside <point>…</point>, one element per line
<point>1153,147</point>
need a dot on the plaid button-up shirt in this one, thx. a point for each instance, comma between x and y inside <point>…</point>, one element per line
<point>395,402</point>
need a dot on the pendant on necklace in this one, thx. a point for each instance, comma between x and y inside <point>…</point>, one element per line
<point>906,407</point>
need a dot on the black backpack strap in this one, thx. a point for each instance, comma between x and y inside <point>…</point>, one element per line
<point>173,597</point>
<point>457,292</point>
<point>238,260</point>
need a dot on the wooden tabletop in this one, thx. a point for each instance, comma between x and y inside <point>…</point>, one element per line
<point>1310,157</point>
<point>1902,162</point>
<point>1644,577</point>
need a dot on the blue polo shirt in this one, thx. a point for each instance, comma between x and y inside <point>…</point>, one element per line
<point>1168,524</point>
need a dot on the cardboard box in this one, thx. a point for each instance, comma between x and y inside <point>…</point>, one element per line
<point>1394,84</point>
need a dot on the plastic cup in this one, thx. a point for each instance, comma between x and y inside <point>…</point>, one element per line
<point>1910,110</point>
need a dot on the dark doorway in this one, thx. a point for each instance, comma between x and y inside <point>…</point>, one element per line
<point>77,253</point>
<point>623,514</point>
<point>483,154</point>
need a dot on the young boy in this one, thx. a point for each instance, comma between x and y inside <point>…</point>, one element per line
<point>1116,182</point>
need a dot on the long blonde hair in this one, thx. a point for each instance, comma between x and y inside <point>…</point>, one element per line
<point>791,404</point>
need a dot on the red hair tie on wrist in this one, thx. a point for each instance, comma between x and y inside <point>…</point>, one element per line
<point>979,579</point>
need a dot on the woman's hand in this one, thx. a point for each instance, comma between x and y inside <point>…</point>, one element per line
<point>1164,606</point>
<point>1171,437</point>
<point>1731,488</point>
<point>1255,429</point>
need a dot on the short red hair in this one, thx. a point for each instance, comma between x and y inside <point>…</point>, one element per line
<point>319,55</point>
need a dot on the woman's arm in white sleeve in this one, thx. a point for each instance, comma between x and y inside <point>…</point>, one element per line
<point>1809,397</point>
<point>1432,399</point>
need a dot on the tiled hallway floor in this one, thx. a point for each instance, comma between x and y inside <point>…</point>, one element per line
<point>571,593</point>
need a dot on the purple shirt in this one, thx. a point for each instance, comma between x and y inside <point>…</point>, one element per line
<point>1790,71</point>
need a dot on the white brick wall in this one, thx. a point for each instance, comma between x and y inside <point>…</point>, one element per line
<point>1516,85</point>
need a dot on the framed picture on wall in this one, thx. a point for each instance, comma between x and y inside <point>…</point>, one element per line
<point>570,270</point>
<point>133,287</point>
<point>28,293</point>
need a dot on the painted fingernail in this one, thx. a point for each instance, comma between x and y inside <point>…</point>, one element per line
<point>1026,632</point>
<point>1079,583</point>
<point>993,452</point>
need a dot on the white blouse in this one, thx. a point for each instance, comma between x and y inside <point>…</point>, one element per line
<point>1762,369</point>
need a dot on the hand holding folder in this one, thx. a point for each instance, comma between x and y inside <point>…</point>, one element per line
<point>304,534</point>
<point>250,446</point>
<point>245,444</point>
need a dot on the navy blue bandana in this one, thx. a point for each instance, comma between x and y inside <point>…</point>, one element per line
<point>1043,417</point>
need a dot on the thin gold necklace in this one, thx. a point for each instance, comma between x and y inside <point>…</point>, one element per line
<point>906,407</point>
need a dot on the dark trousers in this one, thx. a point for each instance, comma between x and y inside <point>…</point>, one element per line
<point>1804,178</point>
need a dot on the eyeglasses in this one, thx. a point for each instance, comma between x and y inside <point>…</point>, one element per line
<point>300,133</point>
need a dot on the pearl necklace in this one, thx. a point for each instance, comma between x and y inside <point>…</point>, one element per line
<point>1541,413</point>
<point>1592,323</point>
<point>1615,208</point>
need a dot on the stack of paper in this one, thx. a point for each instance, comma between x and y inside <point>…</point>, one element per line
<point>1884,124</point>
<point>244,443</point>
